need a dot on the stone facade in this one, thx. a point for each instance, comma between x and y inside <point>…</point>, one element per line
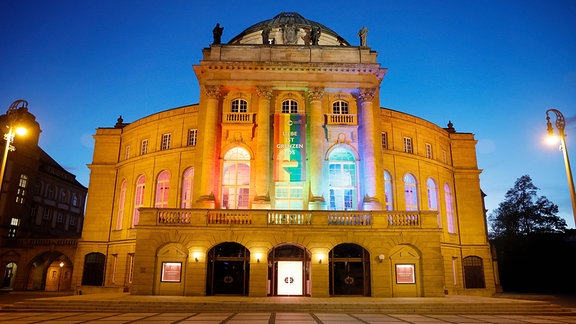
<point>287,178</point>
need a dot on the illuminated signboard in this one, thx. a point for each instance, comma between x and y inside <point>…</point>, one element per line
<point>289,147</point>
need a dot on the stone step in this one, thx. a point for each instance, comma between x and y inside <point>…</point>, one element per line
<point>167,304</point>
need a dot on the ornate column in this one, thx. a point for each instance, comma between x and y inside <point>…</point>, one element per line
<point>208,176</point>
<point>315,150</point>
<point>370,160</point>
<point>262,160</point>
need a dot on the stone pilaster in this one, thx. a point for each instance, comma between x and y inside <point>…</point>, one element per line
<point>208,176</point>
<point>262,160</point>
<point>370,174</point>
<point>315,150</point>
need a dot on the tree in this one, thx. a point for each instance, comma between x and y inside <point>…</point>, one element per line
<point>522,212</point>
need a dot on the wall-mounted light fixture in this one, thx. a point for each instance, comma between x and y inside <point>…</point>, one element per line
<point>258,257</point>
<point>196,256</point>
<point>320,258</point>
<point>381,258</point>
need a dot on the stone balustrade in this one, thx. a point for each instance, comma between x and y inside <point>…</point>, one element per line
<point>313,218</point>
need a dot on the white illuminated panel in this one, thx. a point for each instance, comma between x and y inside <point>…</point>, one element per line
<point>289,278</point>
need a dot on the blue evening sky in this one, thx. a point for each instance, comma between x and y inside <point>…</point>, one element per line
<point>491,67</point>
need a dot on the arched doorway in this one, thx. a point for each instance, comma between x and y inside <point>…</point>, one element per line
<point>59,275</point>
<point>349,270</point>
<point>289,271</point>
<point>38,270</point>
<point>228,270</point>
<point>9,274</point>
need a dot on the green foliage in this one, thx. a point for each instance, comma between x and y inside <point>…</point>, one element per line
<point>523,213</point>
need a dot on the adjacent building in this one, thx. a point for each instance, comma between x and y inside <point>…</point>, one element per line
<point>286,179</point>
<point>41,209</point>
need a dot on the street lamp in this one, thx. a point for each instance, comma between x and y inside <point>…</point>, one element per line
<point>12,131</point>
<point>560,125</point>
<point>60,274</point>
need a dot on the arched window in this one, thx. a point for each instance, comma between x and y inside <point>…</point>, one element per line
<point>388,191</point>
<point>187,185</point>
<point>121,203</point>
<point>93,274</point>
<point>432,191</point>
<point>138,198</point>
<point>473,272</point>
<point>239,106</point>
<point>410,192</point>
<point>342,180</point>
<point>236,179</point>
<point>340,108</point>
<point>162,190</point>
<point>449,209</point>
<point>289,107</point>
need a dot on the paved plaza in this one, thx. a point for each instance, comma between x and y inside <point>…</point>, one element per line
<point>265,318</point>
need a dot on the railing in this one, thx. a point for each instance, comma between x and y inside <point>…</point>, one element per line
<point>243,118</point>
<point>256,217</point>
<point>339,119</point>
<point>346,218</point>
<point>226,217</point>
<point>289,218</point>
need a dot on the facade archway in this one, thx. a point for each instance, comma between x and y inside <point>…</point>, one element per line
<point>289,271</point>
<point>45,273</point>
<point>349,270</point>
<point>59,275</point>
<point>228,270</point>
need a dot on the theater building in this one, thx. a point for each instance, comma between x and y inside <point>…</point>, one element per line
<point>286,179</point>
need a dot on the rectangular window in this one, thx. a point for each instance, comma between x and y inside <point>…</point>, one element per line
<point>127,152</point>
<point>15,222</point>
<point>289,195</point>
<point>60,217</point>
<point>429,150</point>
<point>444,156</point>
<point>72,220</point>
<point>192,137</point>
<point>408,145</point>
<point>165,145</point>
<point>384,140</point>
<point>144,147</point>
<point>171,271</point>
<point>47,214</point>
<point>130,267</point>
<point>405,274</point>
<point>114,267</point>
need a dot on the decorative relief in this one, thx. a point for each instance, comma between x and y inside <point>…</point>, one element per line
<point>213,92</point>
<point>366,94</point>
<point>264,92</point>
<point>315,93</point>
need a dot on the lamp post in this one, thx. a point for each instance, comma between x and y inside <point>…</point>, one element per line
<point>60,274</point>
<point>12,131</point>
<point>561,125</point>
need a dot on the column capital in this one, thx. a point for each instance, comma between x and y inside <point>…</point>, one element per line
<point>315,93</point>
<point>264,92</point>
<point>213,91</point>
<point>366,94</point>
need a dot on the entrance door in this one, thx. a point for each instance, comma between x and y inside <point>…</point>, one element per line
<point>228,270</point>
<point>289,271</point>
<point>290,278</point>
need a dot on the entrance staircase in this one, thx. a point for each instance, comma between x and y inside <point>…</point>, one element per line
<point>126,303</point>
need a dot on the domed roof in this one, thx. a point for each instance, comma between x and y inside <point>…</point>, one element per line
<point>289,28</point>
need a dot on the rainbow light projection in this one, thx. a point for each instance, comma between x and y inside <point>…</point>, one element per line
<point>289,147</point>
